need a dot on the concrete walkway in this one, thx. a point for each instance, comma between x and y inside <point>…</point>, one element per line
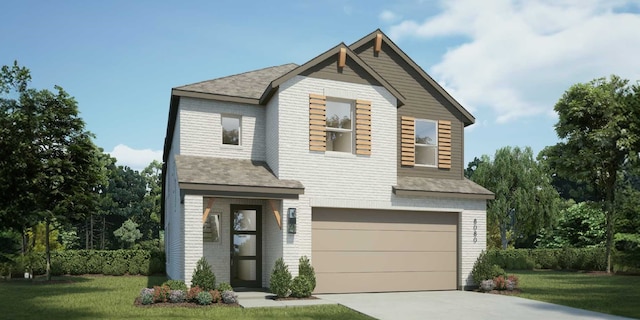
<point>252,299</point>
<point>456,305</point>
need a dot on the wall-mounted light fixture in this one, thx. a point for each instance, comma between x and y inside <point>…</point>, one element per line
<point>291,220</point>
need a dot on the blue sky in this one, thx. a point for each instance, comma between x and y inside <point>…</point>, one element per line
<point>507,62</point>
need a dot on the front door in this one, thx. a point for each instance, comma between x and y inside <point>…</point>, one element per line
<point>246,246</point>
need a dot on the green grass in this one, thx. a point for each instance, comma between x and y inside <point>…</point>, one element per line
<point>105,297</point>
<point>612,294</point>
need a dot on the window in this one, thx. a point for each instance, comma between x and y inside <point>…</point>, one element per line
<point>426,140</point>
<point>339,120</point>
<point>231,130</point>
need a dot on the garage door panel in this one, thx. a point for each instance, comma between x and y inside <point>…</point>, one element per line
<point>376,240</point>
<point>340,261</point>
<point>377,250</point>
<point>384,282</point>
<point>410,219</point>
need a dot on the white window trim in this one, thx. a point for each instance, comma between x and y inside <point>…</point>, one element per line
<point>352,112</point>
<point>435,147</point>
<point>225,145</point>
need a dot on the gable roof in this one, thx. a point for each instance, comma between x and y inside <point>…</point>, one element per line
<point>273,86</point>
<point>245,87</point>
<point>366,39</point>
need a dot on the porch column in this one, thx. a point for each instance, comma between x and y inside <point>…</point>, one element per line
<point>193,208</point>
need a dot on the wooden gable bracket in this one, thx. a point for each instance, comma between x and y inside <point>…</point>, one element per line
<point>276,212</point>
<point>378,45</point>
<point>342,58</point>
<point>207,210</point>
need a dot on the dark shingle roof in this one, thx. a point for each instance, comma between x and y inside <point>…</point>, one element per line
<point>246,85</point>
<point>229,172</point>
<point>464,186</point>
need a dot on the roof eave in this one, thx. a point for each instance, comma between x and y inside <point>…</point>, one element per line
<point>275,84</point>
<point>213,96</point>
<point>469,117</point>
<point>409,193</point>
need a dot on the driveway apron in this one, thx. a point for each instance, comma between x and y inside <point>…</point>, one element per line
<point>456,305</point>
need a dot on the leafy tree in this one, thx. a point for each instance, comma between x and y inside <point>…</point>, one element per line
<point>599,130</point>
<point>150,220</point>
<point>524,200</point>
<point>471,167</point>
<point>580,225</point>
<point>49,162</point>
<point>128,233</point>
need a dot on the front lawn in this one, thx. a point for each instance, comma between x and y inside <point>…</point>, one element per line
<point>106,297</point>
<point>612,294</point>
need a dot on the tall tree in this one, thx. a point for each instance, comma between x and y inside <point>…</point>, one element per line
<point>525,201</point>
<point>152,175</point>
<point>54,165</point>
<point>599,130</point>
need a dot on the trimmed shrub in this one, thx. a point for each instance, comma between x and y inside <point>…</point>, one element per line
<point>204,298</point>
<point>146,299</point>
<point>175,285</point>
<point>203,277</point>
<point>115,268</point>
<point>487,285</point>
<point>223,286</point>
<point>500,282</point>
<point>193,293</point>
<point>306,269</point>
<point>483,268</point>
<point>301,287</point>
<point>177,296</point>
<point>229,297</point>
<point>280,282</point>
<point>215,296</point>
<point>161,293</point>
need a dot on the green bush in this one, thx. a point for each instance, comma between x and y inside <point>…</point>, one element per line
<point>161,293</point>
<point>591,259</point>
<point>223,286</point>
<point>280,282</point>
<point>175,285</point>
<point>203,277</point>
<point>482,268</point>
<point>306,269</point>
<point>204,298</point>
<point>115,268</point>
<point>301,287</point>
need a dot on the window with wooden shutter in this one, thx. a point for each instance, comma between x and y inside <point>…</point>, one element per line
<point>363,127</point>
<point>408,141</point>
<point>317,122</point>
<point>444,144</point>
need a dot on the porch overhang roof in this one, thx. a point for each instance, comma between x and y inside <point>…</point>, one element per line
<point>443,188</point>
<point>240,178</point>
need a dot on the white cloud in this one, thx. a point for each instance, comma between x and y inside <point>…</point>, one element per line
<point>135,159</point>
<point>388,16</point>
<point>518,57</point>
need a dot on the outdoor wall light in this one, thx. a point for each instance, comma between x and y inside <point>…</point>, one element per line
<point>291,220</point>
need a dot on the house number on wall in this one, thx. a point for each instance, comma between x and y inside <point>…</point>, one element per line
<point>475,230</point>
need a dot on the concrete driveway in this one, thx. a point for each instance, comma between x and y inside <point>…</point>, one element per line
<point>456,305</point>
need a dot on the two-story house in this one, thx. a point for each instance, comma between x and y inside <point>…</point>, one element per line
<point>353,159</point>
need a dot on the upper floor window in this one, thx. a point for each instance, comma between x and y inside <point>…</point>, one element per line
<point>426,142</point>
<point>231,128</point>
<point>339,119</point>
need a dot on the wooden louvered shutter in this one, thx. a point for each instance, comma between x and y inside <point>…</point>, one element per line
<point>444,144</point>
<point>363,127</point>
<point>317,122</point>
<point>408,144</point>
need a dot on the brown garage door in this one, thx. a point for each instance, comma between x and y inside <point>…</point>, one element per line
<point>377,251</point>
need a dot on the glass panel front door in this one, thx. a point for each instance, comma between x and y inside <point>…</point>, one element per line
<point>246,246</point>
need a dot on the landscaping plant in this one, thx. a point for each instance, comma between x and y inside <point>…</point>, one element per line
<point>280,282</point>
<point>177,296</point>
<point>203,277</point>
<point>215,296</point>
<point>175,285</point>
<point>204,298</point>
<point>224,286</point>
<point>193,293</point>
<point>229,297</point>
<point>306,269</point>
<point>301,287</point>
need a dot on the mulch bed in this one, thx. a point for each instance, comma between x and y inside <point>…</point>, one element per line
<point>137,303</point>
<point>513,292</point>
<point>291,298</point>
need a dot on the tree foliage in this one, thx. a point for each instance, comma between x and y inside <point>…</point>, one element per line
<point>599,130</point>
<point>49,162</point>
<point>128,233</point>
<point>524,200</point>
<point>582,225</point>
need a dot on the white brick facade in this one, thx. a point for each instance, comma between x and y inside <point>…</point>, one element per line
<point>278,134</point>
